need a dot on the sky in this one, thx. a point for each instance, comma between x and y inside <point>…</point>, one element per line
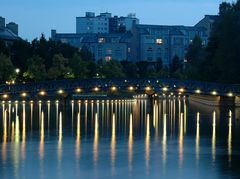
<point>40,16</point>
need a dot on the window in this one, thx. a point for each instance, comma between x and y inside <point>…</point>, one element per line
<point>159,41</point>
<point>101,40</point>
<point>108,58</point>
<point>109,51</point>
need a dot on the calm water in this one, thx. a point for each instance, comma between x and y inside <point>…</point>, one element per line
<point>121,138</point>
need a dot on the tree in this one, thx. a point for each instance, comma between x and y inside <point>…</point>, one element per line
<point>86,54</point>
<point>223,51</point>
<point>79,67</point>
<point>175,66</point>
<point>111,69</point>
<point>59,67</point>
<point>130,69</point>
<point>36,69</point>
<point>143,68</point>
<point>195,56</point>
<point>6,68</point>
<point>20,52</point>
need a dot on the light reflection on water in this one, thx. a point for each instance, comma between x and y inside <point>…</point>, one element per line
<point>118,138</point>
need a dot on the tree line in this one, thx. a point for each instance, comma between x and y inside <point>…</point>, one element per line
<point>44,59</point>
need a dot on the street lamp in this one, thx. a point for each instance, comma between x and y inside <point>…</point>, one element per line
<point>17,70</point>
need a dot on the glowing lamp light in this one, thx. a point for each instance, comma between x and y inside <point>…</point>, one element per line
<point>114,88</point>
<point>181,90</point>
<point>148,88</point>
<point>42,93</point>
<point>130,88</point>
<point>198,91</point>
<point>5,96</point>
<point>96,89</point>
<point>165,89</point>
<point>24,94</point>
<point>17,70</point>
<point>214,93</point>
<point>78,90</point>
<point>60,91</point>
<point>230,94</point>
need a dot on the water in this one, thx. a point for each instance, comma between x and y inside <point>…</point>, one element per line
<point>118,138</point>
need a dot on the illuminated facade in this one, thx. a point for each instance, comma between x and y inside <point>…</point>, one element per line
<point>140,43</point>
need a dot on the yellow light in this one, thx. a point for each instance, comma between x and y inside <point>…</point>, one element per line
<point>114,88</point>
<point>214,93</point>
<point>198,91</point>
<point>78,90</point>
<point>230,94</point>
<point>96,89</point>
<point>24,94</point>
<point>130,88</point>
<point>148,88</point>
<point>5,96</point>
<point>60,91</point>
<point>165,89</point>
<point>42,93</point>
<point>181,90</point>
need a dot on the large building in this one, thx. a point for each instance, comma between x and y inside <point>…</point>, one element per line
<point>104,23</point>
<point>207,22</point>
<point>104,46</point>
<point>8,32</point>
<point>154,42</point>
<point>123,38</point>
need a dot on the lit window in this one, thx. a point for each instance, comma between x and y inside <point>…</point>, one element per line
<point>101,40</point>
<point>108,58</point>
<point>159,41</point>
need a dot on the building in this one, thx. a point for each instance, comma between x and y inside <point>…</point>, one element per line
<point>104,46</point>
<point>138,42</point>
<point>104,23</point>
<point>9,32</point>
<point>93,24</point>
<point>154,42</point>
<point>128,21</point>
<point>13,27</point>
<point>207,22</point>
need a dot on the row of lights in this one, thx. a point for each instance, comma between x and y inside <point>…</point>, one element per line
<point>114,88</point>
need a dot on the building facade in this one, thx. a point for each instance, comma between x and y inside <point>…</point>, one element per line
<point>103,46</point>
<point>104,23</point>
<point>9,32</point>
<point>155,42</point>
<point>138,42</point>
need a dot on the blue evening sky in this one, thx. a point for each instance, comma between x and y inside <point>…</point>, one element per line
<point>40,16</point>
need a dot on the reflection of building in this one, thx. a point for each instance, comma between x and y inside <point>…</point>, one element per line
<point>123,38</point>
<point>8,32</point>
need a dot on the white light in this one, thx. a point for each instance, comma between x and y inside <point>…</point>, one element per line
<point>181,90</point>
<point>17,70</point>
<point>214,93</point>
<point>165,89</point>
<point>60,91</point>
<point>198,91</point>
